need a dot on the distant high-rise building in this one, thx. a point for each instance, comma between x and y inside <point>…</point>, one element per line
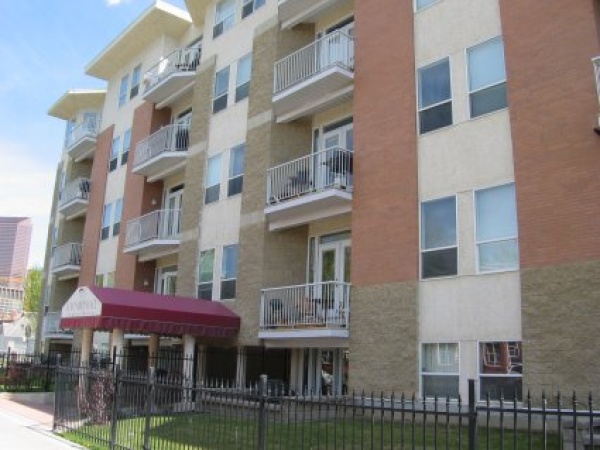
<point>15,239</point>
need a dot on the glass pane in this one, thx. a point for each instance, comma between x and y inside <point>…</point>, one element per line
<point>486,64</point>
<point>437,117</point>
<point>228,289</point>
<point>434,84</point>
<point>106,215</point>
<point>438,223</point>
<point>205,291</point>
<point>504,358</point>
<point>423,3</point>
<point>347,263</point>
<point>488,100</point>
<point>222,81</point>
<point>244,69</point>
<point>500,255</point>
<point>235,185</point>
<point>225,9</point>
<point>328,265</point>
<point>507,387</point>
<point>229,266</point>
<point>441,386</point>
<point>115,147</point>
<point>236,161</point>
<point>439,263</point>
<point>496,214</point>
<point>206,267</point>
<point>440,358</point>
<point>212,194</point>
<point>213,176</point>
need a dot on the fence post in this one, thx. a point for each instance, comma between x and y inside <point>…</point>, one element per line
<point>48,376</point>
<point>149,406</point>
<point>262,413</point>
<point>57,394</point>
<point>114,419</point>
<point>472,417</point>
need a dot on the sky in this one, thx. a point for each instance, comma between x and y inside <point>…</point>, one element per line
<point>44,48</point>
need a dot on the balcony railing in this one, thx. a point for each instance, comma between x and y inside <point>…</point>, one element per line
<point>52,324</point>
<point>67,255</point>
<point>169,139</point>
<point>333,49</point>
<point>181,60</point>
<point>78,189</point>
<point>327,169</point>
<point>313,305</point>
<point>86,129</point>
<point>158,225</point>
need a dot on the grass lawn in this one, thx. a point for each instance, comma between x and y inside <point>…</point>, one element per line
<point>210,431</point>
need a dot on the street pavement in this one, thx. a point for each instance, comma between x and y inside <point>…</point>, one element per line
<point>28,427</point>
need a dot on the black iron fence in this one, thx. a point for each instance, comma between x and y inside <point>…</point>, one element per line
<point>124,410</point>
<point>30,372</point>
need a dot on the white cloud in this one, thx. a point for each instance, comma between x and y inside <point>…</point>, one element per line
<point>26,188</point>
<point>116,2</point>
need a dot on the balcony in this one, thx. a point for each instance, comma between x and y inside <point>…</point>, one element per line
<point>74,198</point>
<point>307,311</point>
<point>154,235</point>
<point>162,153</point>
<point>51,327</point>
<point>172,77</point>
<point>66,261</point>
<point>294,12</point>
<point>316,77</point>
<point>81,141</point>
<point>310,188</point>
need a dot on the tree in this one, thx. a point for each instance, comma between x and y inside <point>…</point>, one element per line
<point>33,293</point>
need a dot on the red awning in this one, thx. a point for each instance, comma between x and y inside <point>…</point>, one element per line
<point>142,312</point>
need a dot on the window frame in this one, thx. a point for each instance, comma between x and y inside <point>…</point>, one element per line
<point>205,284</point>
<point>491,241</point>
<point>123,90</point>
<point>248,11</point>
<point>113,163</point>
<point>222,278</point>
<point>126,146</point>
<point>481,375</point>
<point>471,92</point>
<point>423,373</point>
<point>136,81</point>
<point>422,8</point>
<point>449,101</point>
<point>456,243</point>
<point>117,216</point>
<point>232,188</point>
<point>106,221</point>
<point>218,104</point>
<point>216,186</point>
<point>224,24</point>
<point>242,91</point>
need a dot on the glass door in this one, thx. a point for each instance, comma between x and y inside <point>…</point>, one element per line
<point>337,142</point>
<point>334,269</point>
<point>167,283</point>
<point>336,46</point>
<point>181,131</point>
<point>172,213</point>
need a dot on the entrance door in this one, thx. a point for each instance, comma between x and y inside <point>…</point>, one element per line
<point>336,143</point>
<point>167,282</point>
<point>336,46</point>
<point>334,269</point>
<point>324,371</point>
<point>172,213</point>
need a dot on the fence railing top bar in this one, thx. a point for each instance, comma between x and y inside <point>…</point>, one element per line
<point>314,43</point>
<point>308,285</point>
<point>151,214</point>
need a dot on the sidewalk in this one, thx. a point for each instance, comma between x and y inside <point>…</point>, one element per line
<point>29,425</point>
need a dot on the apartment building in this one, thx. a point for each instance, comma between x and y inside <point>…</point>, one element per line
<point>373,195</point>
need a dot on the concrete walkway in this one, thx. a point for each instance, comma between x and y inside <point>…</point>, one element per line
<point>25,425</point>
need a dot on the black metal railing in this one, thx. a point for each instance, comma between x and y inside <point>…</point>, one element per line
<point>125,410</point>
<point>26,372</point>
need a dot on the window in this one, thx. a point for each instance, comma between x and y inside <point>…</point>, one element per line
<point>106,221</point>
<point>114,155</point>
<point>250,6</point>
<point>244,68</point>
<point>439,370</point>
<point>435,96</point>
<point>438,238</point>
<point>167,281</point>
<point>123,90</point>
<point>229,272</point>
<point>487,77</point>
<point>213,179</point>
<point>109,280</point>
<point>126,146</point>
<point>135,81</point>
<point>224,17</point>
<point>205,274</point>
<point>496,225</point>
<point>221,88</point>
<point>99,280</point>
<point>117,218</point>
<point>501,370</point>
<point>420,4</point>
<point>236,170</point>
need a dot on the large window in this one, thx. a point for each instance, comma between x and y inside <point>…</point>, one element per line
<point>236,170</point>
<point>496,225</point>
<point>440,369</point>
<point>438,238</point>
<point>244,68</point>
<point>123,90</point>
<point>205,274</point>
<point>487,77</point>
<point>435,96</point>
<point>126,146</point>
<point>105,234</point>
<point>501,370</point>
<point>229,271</point>
<point>117,219</point>
<point>250,6</point>
<point>213,179</point>
<point>221,89</point>
<point>114,154</point>
<point>224,17</point>
<point>136,78</point>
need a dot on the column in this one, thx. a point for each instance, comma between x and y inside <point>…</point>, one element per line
<point>240,378</point>
<point>86,345</point>
<point>189,343</point>
<point>153,342</point>
<point>117,341</point>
